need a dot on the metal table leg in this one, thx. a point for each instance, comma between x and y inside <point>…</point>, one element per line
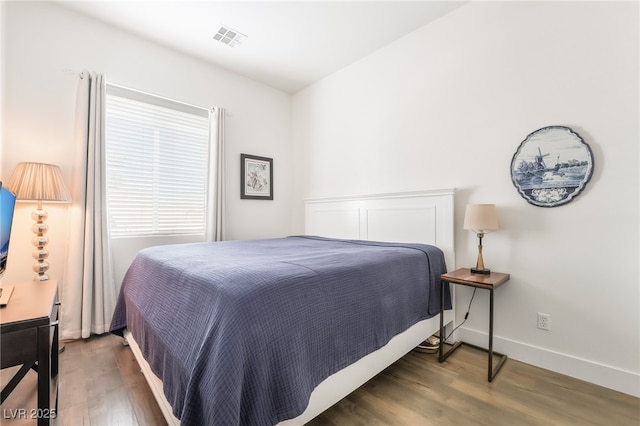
<point>441,354</point>
<point>491,372</point>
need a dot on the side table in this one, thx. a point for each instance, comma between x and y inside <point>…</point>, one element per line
<point>489,282</point>
<point>29,337</point>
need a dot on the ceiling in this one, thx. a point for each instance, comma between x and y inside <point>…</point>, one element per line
<point>289,44</point>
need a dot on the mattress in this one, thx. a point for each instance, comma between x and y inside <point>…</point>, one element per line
<point>241,332</point>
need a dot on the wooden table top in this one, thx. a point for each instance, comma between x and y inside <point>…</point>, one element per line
<point>30,305</point>
<point>465,277</point>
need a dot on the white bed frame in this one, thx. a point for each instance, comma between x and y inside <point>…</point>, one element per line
<point>411,217</point>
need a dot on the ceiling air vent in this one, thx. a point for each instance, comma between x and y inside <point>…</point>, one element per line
<point>229,36</point>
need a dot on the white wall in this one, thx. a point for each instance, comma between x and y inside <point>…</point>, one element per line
<point>447,106</point>
<point>47,46</point>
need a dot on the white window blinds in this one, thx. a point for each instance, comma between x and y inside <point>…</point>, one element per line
<point>157,155</point>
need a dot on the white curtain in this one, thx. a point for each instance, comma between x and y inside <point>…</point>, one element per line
<point>216,208</point>
<point>88,290</point>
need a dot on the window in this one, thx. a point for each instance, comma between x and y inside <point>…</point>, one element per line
<point>157,161</point>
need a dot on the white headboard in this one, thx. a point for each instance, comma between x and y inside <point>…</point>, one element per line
<point>408,217</point>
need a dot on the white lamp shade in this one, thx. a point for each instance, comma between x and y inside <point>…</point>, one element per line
<point>38,182</point>
<point>481,218</point>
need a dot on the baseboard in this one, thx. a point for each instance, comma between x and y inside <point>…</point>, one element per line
<point>603,375</point>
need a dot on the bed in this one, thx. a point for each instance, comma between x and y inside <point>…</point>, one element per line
<point>277,330</point>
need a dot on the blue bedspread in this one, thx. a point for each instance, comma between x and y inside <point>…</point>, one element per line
<point>241,332</point>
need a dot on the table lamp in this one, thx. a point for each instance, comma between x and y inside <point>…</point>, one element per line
<point>39,182</point>
<point>480,218</point>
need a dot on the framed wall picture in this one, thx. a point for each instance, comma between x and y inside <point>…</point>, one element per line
<point>551,166</point>
<point>256,177</point>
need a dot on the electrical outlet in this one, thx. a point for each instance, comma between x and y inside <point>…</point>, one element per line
<point>544,321</point>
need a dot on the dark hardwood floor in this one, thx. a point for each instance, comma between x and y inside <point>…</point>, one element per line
<point>101,384</point>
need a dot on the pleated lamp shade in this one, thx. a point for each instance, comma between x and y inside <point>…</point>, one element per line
<point>38,182</point>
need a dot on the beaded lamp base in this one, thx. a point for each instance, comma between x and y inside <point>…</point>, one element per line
<point>40,241</point>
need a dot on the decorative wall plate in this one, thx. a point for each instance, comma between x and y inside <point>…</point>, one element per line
<point>551,166</point>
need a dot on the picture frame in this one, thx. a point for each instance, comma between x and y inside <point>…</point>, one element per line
<point>551,166</point>
<point>256,177</point>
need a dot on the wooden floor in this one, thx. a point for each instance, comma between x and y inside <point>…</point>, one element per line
<point>101,384</point>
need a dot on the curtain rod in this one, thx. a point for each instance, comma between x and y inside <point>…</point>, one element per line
<point>81,75</point>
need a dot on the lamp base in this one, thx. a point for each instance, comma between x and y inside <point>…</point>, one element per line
<point>483,271</point>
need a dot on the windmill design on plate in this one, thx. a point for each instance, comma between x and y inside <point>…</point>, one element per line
<point>540,160</point>
<point>546,186</point>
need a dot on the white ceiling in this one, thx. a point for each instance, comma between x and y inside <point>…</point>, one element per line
<point>289,44</point>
